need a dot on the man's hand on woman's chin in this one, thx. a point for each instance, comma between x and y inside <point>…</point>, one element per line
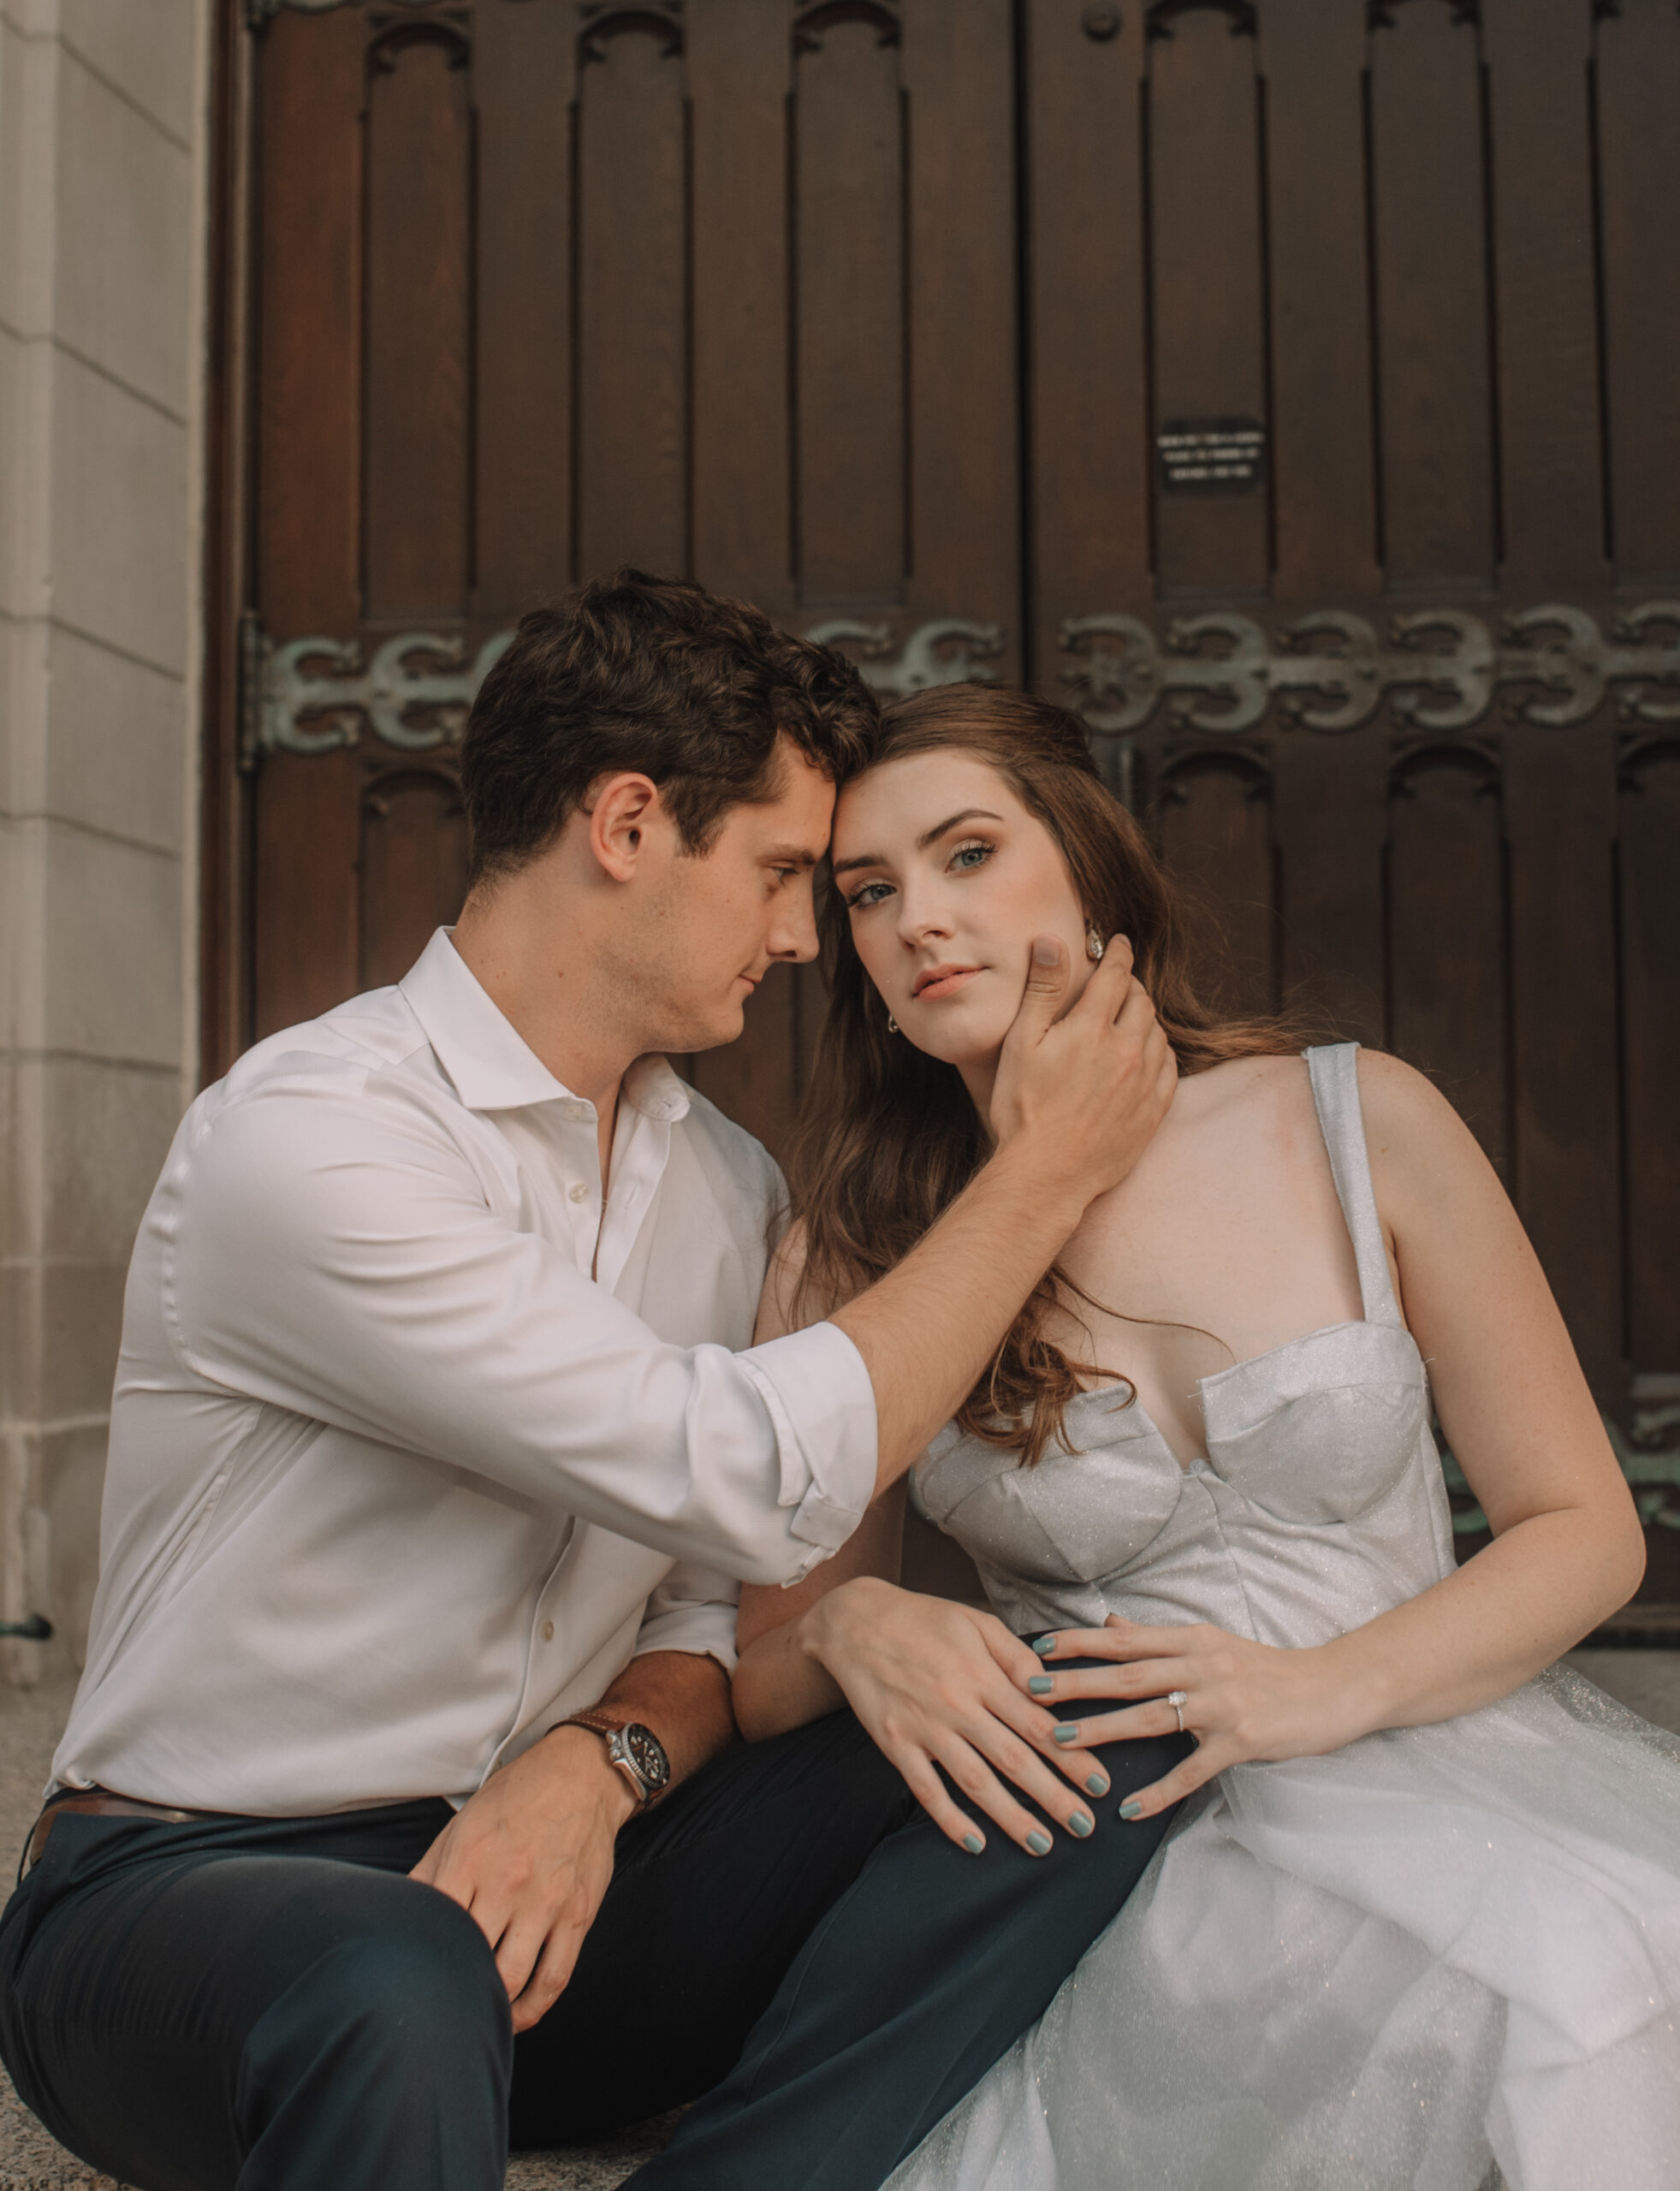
<point>940,1684</point>
<point>1081,1090</point>
<point>530,1857</point>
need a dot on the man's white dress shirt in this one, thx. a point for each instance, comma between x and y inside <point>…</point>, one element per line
<point>394,1484</point>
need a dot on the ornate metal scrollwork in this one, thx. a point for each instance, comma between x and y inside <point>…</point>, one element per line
<point>951,651</point>
<point>1330,671</point>
<point>313,695</point>
<point>1440,670</point>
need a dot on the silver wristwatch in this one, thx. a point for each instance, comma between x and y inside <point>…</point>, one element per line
<point>635,1750</point>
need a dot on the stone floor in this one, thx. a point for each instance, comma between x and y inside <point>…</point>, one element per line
<point>1648,1681</point>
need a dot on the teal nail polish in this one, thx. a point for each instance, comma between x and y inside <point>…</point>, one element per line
<point>1096,1786</point>
<point>1044,1646</point>
<point>1080,1824</point>
<point>1041,1685</point>
<point>973,1844</point>
<point>1039,1842</point>
<point>1132,1808</point>
<point>1064,1733</point>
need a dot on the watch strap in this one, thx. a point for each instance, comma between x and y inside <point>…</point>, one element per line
<point>601,1720</point>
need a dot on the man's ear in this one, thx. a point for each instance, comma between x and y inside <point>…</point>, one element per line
<point>621,810</point>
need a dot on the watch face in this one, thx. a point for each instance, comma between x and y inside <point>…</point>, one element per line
<point>647,1755</point>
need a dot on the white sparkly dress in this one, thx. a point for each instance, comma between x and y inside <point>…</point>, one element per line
<point>1441,1955</point>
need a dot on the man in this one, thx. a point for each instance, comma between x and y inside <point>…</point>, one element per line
<point>436,1424</point>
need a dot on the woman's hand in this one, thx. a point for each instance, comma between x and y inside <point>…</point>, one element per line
<point>940,1684</point>
<point>1243,1701</point>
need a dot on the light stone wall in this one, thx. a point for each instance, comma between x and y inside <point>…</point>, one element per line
<point>103,224</point>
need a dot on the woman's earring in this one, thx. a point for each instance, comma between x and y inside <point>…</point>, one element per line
<point>1094,943</point>
<point>892,1024</point>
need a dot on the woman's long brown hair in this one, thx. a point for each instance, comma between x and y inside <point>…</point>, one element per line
<point>887,1136</point>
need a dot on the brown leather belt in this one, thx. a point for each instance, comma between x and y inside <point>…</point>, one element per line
<point>99,1802</point>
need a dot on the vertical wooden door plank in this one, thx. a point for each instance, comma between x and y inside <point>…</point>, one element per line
<point>1213,822</point>
<point>308,500</point>
<point>305,957</point>
<point>1089,462</point>
<point>413,867</point>
<point>1560,795</point>
<point>1330,816</point>
<point>1537,53</point>
<point>523,86</point>
<point>1650,907</point>
<point>1638,86</point>
<point>1330,790</point>
<point>848,274</point>
<point>419,279</point>
<point>1560,802</point>
<point>632,338</point>
<point>739,66</point>
<point>1207,293</point>
<point>1447,907</point>
<point>1312,60</point>
<point>1433,343</point>
<point>964,469</point>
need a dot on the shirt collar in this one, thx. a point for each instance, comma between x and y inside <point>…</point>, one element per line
<point>491,1065</point>
<point>651,1087</point>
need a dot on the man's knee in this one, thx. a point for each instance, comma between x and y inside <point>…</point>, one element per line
<point>413,1984</point>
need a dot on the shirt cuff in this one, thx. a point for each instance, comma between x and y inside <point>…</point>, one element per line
<point>708,1631</point>
<point>821,1403</point>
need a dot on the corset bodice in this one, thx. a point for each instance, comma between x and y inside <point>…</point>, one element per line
<point>1319,1502</point>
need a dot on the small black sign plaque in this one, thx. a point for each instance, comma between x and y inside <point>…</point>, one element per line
<point>1211,456</point>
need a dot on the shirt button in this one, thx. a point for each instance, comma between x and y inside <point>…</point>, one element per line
<point>548,1631</point>
<point>574,1111</point>
<point>580,1192</point>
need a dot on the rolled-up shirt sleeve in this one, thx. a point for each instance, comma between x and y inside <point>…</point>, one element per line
<point>343,1258</point>
<point>692,1610</point>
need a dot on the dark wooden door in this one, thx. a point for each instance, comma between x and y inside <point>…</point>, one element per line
<point>1288,385</point>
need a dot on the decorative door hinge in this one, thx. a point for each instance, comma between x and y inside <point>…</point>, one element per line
<point>314,695</point>
<point>950,651</point>
<point>1330,671</point>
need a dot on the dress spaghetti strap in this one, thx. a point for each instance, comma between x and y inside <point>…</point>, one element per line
<point>1333,1069</point>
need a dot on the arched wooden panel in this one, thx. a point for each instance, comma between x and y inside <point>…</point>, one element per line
<point>304,888</point>
<point>1447,927</point>
<point>1637,82</point>
<point>524,62</point>
<point>849,380</point>
<point>413,868</point>
<point>1212,819</point>
<point>417,550</point>
<point>1428,226</point>
<point>1649,865</point>
<point>633,382</point>
<point>1323,479</point>
<point>1207,305</point>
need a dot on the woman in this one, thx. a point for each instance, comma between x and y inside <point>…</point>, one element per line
<point>1422,1915</point>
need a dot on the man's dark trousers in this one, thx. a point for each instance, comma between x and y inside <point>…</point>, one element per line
<point>272,2004</point>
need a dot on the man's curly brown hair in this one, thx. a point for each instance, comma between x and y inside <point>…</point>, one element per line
<point>659,676</point>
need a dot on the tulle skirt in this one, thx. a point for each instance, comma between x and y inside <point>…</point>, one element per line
<point>1442,1957</point>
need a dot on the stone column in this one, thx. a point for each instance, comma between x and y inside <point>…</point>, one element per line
<point>103,223</point>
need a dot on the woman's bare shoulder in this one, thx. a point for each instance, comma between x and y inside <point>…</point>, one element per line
<point>1427,1164</point>
<point>1402,1108</point>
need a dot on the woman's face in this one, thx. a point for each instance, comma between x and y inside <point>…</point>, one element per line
<point>948,878</point>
